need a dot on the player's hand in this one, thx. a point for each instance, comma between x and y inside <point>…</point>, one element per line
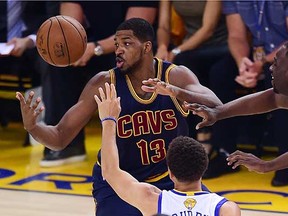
<point>108,102</point>
<point>248,160</point>
<point>30,111</point>
<point>88,54</point>
<point>209,115</point>
<point>158,86</point>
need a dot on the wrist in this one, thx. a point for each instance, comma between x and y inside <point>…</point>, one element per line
<point>176,51</point>
<point>110,119</point>
<point>98,50</point>
<point>32,38</point>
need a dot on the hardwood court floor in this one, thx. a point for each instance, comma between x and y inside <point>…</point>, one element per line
<point>29,190</point>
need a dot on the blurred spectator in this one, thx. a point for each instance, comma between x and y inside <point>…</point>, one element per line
<point>256,31</point>
<point>19,59</point>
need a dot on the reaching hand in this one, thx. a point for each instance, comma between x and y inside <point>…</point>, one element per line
<point>208,114</point>
<point>248,160</point>
<point>30,111</point>
<point>109,104</point>
<point>158,86</point>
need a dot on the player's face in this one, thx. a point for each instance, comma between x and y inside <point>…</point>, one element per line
<point>129,51</point>
<point>279,71</point>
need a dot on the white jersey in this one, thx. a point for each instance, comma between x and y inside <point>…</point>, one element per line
<point>202,203</point>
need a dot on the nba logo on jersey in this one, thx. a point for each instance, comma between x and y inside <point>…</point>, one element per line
<point>190,203</point>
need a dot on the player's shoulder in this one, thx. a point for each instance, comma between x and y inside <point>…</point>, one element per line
<point>100,78</point>
<point>230,208</point>
<point>180,69</point>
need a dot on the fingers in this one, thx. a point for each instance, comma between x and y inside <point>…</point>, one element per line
<point>108,92</point>
<point>192,106</point>
<point>30,98</point>
<point>98,101</point>
<point>102,94</point>
<point>235,159</point>
<point>39,111</point>
<point>37,102</point>
<point>113,91</point>
<point>28,102</point>
<point>20,97</point>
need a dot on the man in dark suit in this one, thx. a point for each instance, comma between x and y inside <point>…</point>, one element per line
<point>21,61</point>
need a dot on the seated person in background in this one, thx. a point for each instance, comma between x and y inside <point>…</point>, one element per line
<point>186,159</point>
<point>261,102</point>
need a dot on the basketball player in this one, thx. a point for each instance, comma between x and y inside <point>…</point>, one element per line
<point>187,162</point>
<point>261,102</point>
<point>147,123</point>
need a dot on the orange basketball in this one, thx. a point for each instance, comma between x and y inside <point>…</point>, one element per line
<point>61,40</point>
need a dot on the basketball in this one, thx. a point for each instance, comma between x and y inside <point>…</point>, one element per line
<point>61,41</point>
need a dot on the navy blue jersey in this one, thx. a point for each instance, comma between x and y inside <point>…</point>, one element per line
<point>146,127</point>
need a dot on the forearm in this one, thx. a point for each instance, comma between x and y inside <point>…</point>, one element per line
<point>48,135</point>
<point>163,31</point>
<point>206,97</point>
<point>256,103</point>
<point>109,151</point>
<point>196,40</point>
<point>239,48</point>
<point>163,38</point>
<point>278,163</point>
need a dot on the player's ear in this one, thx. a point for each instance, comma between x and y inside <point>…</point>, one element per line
<point>147,46</point>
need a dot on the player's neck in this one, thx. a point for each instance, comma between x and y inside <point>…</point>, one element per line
<point>187,187</point>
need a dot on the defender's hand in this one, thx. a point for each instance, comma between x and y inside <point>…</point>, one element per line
<point>108,102</point>
<point>248,160</point>
<point>209,115</point>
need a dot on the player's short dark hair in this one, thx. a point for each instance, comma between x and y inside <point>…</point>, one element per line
<point>141,28</point>
<point>186,159</point>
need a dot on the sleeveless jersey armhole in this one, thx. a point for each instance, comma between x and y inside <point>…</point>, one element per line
<point>175,101</point>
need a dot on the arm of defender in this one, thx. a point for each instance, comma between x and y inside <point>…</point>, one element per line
<point>141,195</point>
<point>256,103</point>
<point>256,164</point>
<point>185,86</point>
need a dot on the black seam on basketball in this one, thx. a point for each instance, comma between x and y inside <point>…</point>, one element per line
<point>83,43</point>
<point>48,37</point>
<point>69,60</point>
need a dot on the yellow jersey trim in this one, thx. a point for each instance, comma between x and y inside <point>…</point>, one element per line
<point>154,94</point>
<point>112,76</point>
<point>163,175</point>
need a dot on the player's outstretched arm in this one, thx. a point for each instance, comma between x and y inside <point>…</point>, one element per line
<point>141,195</point>
<point>59,136</point>
<point>256,103</point>
<point>256,164</point>
<point>184,85</point>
